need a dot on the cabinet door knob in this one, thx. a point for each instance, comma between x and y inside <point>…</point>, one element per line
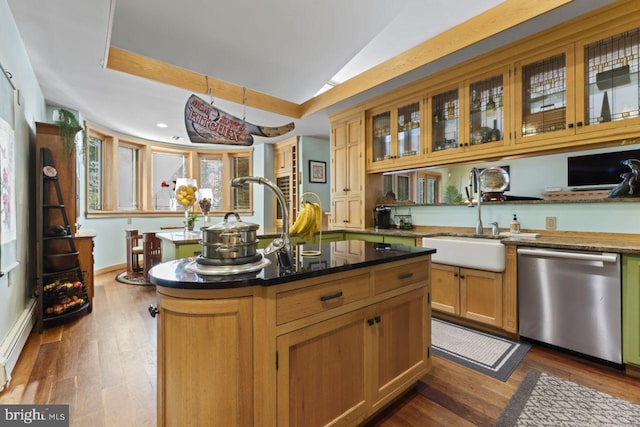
<point>377,319</point>
<point>570,125</point>
<point>153,311</point>
<point>462,276</point>
<point>579,124</point>
<point>370,322</point>
<point>455,274</point>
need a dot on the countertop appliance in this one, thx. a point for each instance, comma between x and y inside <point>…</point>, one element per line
<point>572,300</point>
<point>381,217</point>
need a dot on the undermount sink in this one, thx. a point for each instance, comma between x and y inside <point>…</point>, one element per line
<point>472,252</point>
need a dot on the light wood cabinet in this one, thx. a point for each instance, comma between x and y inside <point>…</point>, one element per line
<point>399,350</point>
<point>347,174</point>
<point>85,245</point>
<point>205,349</point>
<point>471,116</point>
<point>328,350</point>
<point>321,374</point>
<point>544,98</point>
<point>394,137</point>
<point>341,370</point>
<point>468,293</point>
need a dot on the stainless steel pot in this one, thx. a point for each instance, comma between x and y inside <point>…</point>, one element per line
<point>222,251</point>
<point>229,239</point>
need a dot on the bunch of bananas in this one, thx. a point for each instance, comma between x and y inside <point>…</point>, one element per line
<point>308,222</point>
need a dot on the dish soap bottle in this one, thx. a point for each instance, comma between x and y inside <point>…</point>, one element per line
<point>515,225</point>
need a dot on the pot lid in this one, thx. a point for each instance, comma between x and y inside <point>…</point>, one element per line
<point>233,225</point>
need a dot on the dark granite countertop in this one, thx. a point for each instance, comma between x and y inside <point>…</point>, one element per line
<point>333,259</point>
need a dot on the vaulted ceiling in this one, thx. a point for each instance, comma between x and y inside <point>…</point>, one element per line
<point>129,64</point>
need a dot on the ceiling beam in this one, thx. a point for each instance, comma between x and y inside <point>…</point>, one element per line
<point>507,14</point>
<point>149,68</point>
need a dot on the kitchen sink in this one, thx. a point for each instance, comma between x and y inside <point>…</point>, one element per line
<point>472,252</point>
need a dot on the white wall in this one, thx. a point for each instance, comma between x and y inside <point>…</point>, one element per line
<point>15,287</point>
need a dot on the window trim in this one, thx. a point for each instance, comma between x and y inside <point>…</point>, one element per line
<point>111,142</point>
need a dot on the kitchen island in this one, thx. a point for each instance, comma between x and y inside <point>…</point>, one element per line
<point>331,342</point>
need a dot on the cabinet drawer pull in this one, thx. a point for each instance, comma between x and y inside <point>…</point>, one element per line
<point>462,276</point>
<point>331,296</point>
<point>377,319</point>
<point>405,276</point>
<point>370,322</point>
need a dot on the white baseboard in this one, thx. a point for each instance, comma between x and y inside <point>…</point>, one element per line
<point>12,345</point>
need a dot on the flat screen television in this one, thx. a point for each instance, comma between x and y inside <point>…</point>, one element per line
<point>598,170</point>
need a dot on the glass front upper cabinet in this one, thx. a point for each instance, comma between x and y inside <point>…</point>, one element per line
<point>381,136</point>
<point>395,133</point>
<point>611,91</point>
<point>409,130</point>
<point>486,110</point>
<point>445,121</point>
<point>544,96</point>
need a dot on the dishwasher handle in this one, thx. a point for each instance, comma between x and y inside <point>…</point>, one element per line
<point>581,256</point>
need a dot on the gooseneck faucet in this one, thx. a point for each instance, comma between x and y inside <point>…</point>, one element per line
<point>474,181</point>
<point>283,246</point>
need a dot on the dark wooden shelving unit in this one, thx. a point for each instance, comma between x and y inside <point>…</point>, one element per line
<point>61,290</point>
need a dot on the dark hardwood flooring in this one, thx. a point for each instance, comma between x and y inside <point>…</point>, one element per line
<point>104,366</point>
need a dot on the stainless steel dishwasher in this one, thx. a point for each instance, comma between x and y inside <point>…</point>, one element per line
<point>571,299</point>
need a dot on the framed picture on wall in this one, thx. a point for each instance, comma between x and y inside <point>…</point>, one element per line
<point>317,171</point>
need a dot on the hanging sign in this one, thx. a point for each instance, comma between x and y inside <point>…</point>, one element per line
<point>208,124</point>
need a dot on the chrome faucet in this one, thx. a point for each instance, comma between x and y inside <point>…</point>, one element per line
<point>474,181</point>
<point>281,246</point>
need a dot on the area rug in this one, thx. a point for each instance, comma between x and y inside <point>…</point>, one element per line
<point>132,280</point>
<point>545,400</point>
<point>492,355</point>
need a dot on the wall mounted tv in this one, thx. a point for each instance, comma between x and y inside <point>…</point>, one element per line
<point>598,170</point>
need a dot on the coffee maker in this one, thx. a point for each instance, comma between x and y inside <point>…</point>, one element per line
<point>381,217</point>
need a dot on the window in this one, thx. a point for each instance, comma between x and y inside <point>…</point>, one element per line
<point>128,177</point>
<point>94,173</point>
<point>399,185</point>
<point>428,188</point>
<point>166,169</point>
<point>211,177</point>
<point>125,174</point>
<point>241,196</point>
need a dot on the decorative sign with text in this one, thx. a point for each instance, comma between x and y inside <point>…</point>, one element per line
<point>210,125</point>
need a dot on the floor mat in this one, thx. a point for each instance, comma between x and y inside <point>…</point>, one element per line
<point>133,279</point>
<point>545,400</point>
<point>492,355</point>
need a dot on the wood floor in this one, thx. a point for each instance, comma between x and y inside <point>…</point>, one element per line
<point>104,366</point>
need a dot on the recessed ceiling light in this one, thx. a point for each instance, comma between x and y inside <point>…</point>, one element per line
<point>162,125</point>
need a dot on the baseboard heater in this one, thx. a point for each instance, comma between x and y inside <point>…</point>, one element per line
<point>12,345</point>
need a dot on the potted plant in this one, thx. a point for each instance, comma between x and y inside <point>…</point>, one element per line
<point>191,221</point>
<point>69,127</point>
